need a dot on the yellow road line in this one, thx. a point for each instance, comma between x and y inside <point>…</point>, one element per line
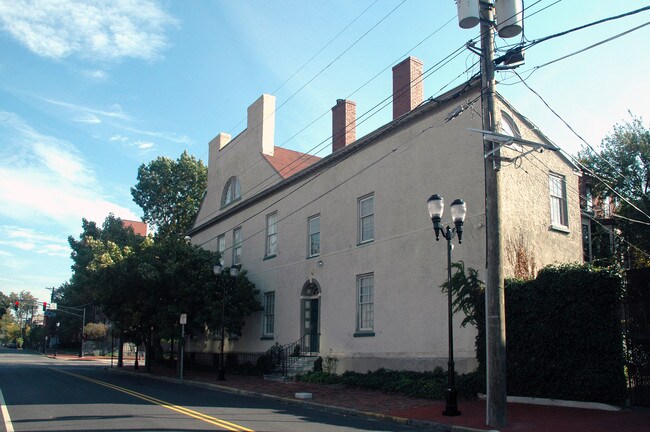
<point>188,412</point>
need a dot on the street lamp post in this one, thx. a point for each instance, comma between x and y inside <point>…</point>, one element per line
<point>233,271</point>
<point>435,205</point>
<point>56,346</point>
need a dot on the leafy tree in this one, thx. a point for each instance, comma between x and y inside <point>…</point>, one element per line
<point>9,329</point>
<point>240,301</point>
<point>95,331</point>
<point>623,164</point>
<point>170,193</point>
<point>143,284</point>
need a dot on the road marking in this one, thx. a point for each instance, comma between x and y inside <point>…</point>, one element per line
<point>188,412</point>
<point>9,427</point>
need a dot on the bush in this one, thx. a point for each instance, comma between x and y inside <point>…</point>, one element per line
<point>564,337</point>
<point>428,385</point>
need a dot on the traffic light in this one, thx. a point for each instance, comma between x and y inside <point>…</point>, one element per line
<point>16,305</point>
<point>44,306</point>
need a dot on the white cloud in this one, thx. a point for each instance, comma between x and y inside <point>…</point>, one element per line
<point>144,145</point>
<point>92,29</point>
<point>115,112</point>
<point>119,138</point>
<point>96,75</point>
<point>44,179</point>
<point>181,139</point>
<point>88,118</point>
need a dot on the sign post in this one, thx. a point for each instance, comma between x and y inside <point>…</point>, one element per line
<point>183,321</point>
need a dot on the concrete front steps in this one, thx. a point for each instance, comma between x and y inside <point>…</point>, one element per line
<point>297,366</point>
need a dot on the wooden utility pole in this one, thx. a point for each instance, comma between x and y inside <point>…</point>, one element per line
<point>495,325</point>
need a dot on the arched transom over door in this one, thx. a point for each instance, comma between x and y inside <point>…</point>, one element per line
<point>310,315</point>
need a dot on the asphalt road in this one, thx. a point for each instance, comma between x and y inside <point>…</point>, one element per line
<point>43,394</point>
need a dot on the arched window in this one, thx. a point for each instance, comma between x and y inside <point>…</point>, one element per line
<point>231,192</point>
<point>508,126</point>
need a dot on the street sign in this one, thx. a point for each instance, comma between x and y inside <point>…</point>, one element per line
<point>49,313</point>
<point>52,306</point>
<point>183,319</point>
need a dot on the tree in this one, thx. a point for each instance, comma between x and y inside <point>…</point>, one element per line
<point>170,193</point>
<point>143,284</point>
<point>623,165</point>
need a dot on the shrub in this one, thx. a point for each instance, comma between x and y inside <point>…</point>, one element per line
<point>428,385</point>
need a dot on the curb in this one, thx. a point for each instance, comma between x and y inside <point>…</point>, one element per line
<point>424,424</point>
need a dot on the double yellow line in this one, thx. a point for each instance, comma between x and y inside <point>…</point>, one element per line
<point>188,412</point>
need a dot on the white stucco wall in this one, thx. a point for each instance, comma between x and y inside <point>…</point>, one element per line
<point>402,169</point>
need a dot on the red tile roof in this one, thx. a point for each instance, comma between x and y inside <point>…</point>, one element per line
<point>288,162</point>
<point>140,228</point>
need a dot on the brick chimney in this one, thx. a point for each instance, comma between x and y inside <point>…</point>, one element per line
<point>408,88</point>
<point>344,124</point>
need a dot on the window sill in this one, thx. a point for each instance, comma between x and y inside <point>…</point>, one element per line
<point>560,228</point>
<point>312,256</point>
<point>365,242</point>
<point>364,334</point>
<point>266,338</point>
<point>268,257</point>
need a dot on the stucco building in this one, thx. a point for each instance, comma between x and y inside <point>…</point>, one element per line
<point>342,247</point>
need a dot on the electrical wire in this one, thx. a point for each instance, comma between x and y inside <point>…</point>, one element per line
<point>577,162</point>
<point>240,223</point>
<point>323,144</point>
<point>582,27</point>
<point>594,45</point>
<point>580,196</point>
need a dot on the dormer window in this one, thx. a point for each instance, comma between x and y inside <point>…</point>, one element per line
<point>231,192</point>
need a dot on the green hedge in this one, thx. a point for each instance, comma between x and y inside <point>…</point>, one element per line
<point>564,338</point>
<point>428,385</point>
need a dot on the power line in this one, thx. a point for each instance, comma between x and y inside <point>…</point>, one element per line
<point>594,45</point>
<point>579,195</point>
<point>577,162</point>
<point>368,114</point>
<point>393,151</point>
<point>604,20</point>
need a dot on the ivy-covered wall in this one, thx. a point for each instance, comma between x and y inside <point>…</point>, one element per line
<point>564,335</point>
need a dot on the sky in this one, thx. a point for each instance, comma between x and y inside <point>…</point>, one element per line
<point>90,90</point>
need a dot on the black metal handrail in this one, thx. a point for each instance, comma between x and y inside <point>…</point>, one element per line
<point>285,356</point>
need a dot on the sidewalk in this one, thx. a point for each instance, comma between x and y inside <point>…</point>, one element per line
<point>421,412</point>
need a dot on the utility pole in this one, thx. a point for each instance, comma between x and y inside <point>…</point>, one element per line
<point>495,325</point>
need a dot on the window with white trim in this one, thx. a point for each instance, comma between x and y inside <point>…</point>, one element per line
<point>231,191</point>
<point>268,325</point>
<point>366,219</point>
<point>236,246</point>
<point>313,239</point>
<point>557,192</point>
<point>221,244</point>
<point>271,234</point>
<point>365,302</point>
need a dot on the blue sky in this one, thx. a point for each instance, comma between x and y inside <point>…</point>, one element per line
<point>89,90</point>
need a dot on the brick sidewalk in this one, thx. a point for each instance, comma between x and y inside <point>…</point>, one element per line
<point>395,407</point>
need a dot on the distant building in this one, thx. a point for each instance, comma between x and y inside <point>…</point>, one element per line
<point>342,248</point>
<point>140,228</point>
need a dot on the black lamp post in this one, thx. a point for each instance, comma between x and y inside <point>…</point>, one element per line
<point>458,210</point>
<point>234,271</point>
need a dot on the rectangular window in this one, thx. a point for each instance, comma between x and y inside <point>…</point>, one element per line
<point>221,244</point>
<point>313,241</point>
<point>366,219</point>
<point>365,303</point>
<point>271,235</point>
<point>236,246</point>
<point>557,191</point>
<point>269,314</point>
